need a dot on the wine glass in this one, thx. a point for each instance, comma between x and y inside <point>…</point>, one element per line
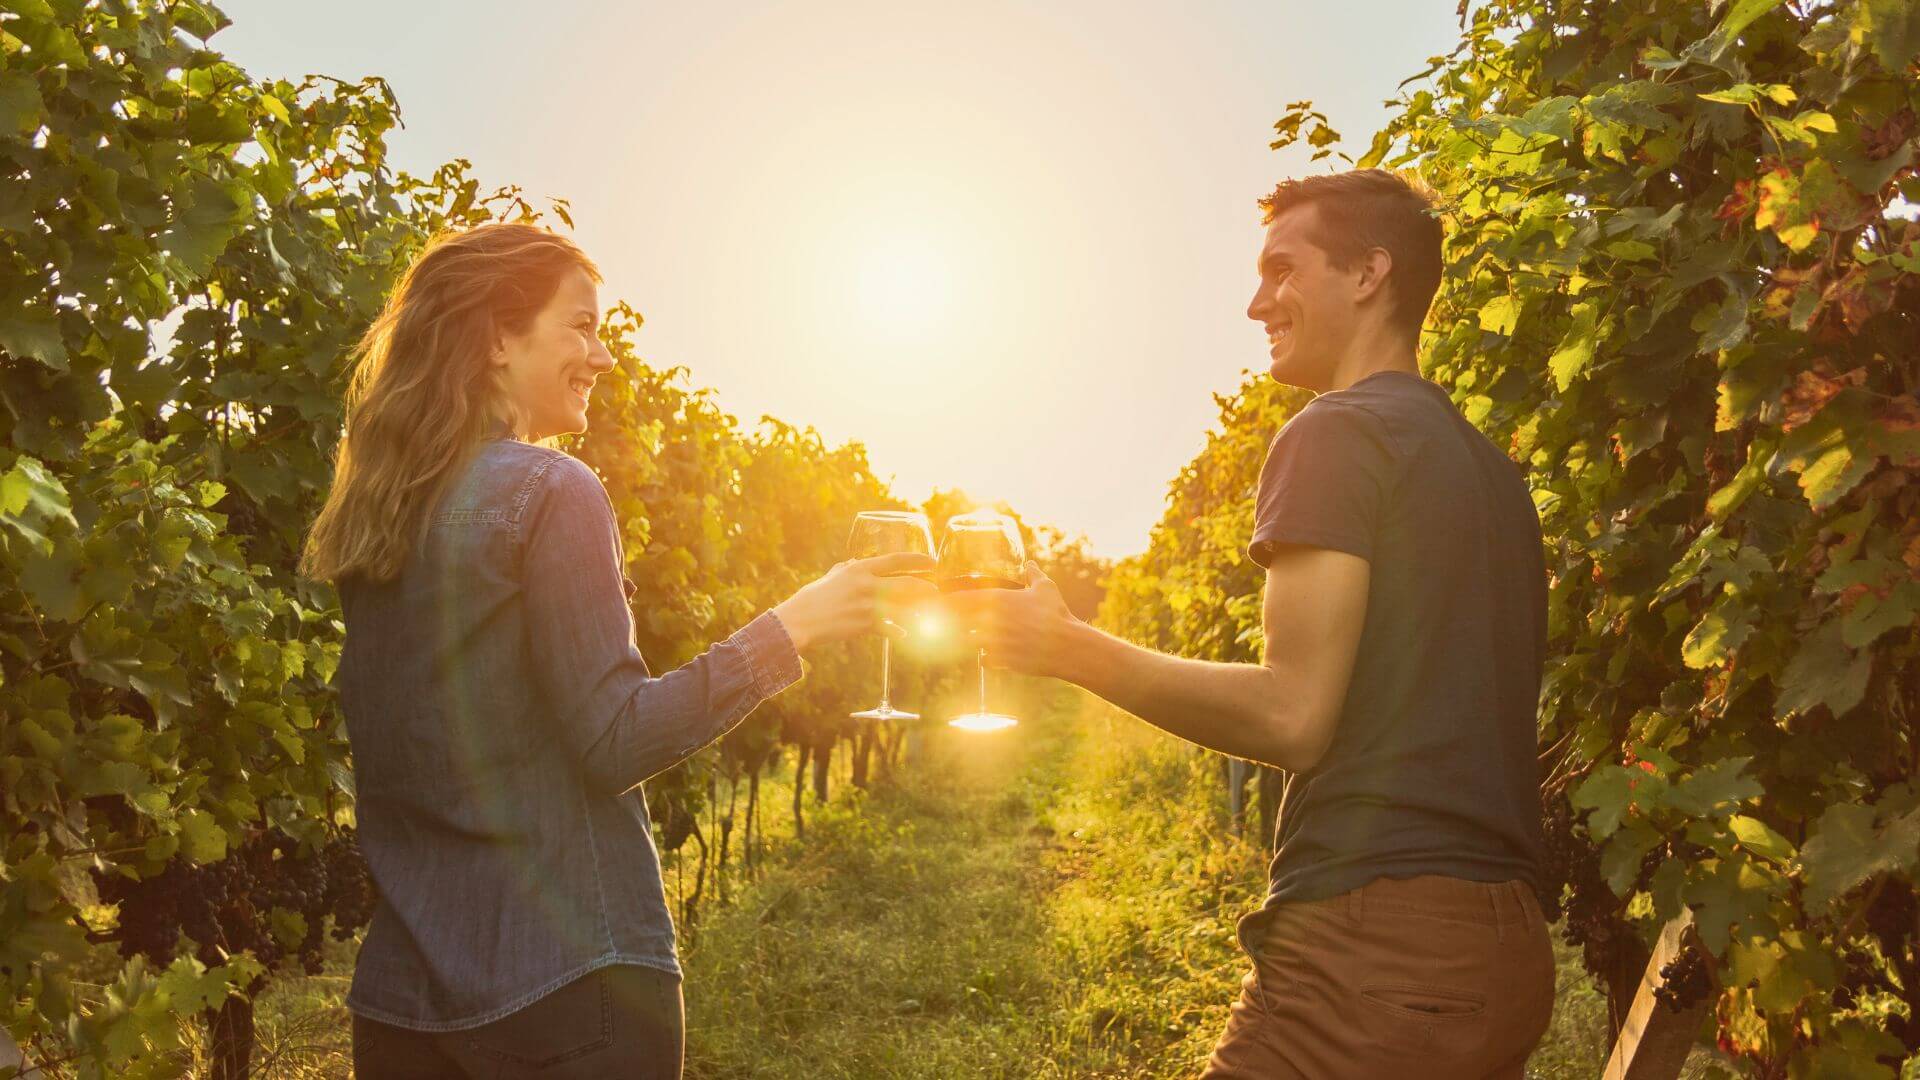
<point>982,551</point>
<point>884,532</point>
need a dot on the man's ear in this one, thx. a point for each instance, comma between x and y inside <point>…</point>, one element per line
<point>1375,265</point>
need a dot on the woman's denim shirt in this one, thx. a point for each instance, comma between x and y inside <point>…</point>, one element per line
<point>501,721</point>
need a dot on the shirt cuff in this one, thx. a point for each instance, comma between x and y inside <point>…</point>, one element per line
<point>771,657</point>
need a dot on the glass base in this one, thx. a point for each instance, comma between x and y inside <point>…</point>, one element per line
<point>982,721</point>
<point>885,712</point>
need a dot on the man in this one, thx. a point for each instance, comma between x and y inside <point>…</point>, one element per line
<point>1405,619</point>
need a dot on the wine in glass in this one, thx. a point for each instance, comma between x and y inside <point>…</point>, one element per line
<point>982,551</point>
<point>884,532</point>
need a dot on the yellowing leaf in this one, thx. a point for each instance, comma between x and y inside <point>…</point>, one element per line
<point>1780,208</point>
<point>1713,640</point>
<point>1577,347</point>
<point>1749,93</point>
<point>1744,483</point>
<point>1760,838</point>
<point>1500,315</point>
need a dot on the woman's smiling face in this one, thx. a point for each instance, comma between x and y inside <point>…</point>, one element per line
<point>547,370</point>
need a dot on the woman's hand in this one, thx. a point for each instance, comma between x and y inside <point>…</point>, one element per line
<point>852,598</point>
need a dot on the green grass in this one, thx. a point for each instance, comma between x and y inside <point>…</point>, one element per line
<point>1053,901</point>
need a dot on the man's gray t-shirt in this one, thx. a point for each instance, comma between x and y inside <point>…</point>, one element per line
<point>1432,767</point>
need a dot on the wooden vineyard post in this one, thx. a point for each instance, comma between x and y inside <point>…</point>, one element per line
<point>1238,772</point>
<point>1654,1041</point>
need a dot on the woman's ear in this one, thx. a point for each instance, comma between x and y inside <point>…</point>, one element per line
<point>499,344</point>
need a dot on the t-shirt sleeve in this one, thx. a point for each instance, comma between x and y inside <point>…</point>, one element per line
<point>1324,483</point>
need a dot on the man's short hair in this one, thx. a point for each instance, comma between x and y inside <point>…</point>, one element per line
<point>1373,208</point>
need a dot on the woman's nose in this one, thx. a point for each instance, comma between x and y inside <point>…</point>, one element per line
<point>599,358</point>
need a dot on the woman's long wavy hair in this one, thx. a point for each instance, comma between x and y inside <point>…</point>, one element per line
<point>424,394</point>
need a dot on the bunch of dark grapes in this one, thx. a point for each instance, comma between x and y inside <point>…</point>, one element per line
<point>149,910</point>
<point>350,894</point>
<point>675,826</point>
<point>1685,981</point>
<point>1563,853</point>
<point>1572,887</point>
<point>227,907</point>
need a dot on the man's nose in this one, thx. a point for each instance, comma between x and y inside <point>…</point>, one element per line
<point>1257,306</point>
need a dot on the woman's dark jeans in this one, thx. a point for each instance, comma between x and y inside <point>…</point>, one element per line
<point>620,1021</point>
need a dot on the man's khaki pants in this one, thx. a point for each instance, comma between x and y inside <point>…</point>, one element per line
<point>1428,977</point>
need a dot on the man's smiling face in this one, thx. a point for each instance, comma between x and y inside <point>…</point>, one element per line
<point>1304,303</point>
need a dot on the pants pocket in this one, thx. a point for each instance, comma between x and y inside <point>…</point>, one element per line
<point>1417,1001</point>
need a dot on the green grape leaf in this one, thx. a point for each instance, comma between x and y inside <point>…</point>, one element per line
<point>1552,118</point>
<point>1824,672</point>
<point>1726,893</point>
<point>1874,615</point>
<point>1714,787</point>
<point>34,333</point>
<point>1892,28</point>
<point>21,106</point>
<point>51,580</point>
<point>202,838</point>
<point>1846,846</point>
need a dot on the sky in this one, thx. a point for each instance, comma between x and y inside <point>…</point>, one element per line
<point>1008,246</point>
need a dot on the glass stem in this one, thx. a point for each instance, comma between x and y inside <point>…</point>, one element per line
<point>886,674</point>
<point>981,662</point>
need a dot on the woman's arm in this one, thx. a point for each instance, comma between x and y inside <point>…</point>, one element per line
<point>619,721</point>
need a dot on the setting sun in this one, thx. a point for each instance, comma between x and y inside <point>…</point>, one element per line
<point>901,287</point>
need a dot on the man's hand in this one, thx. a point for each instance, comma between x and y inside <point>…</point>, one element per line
<point>1027,630</point>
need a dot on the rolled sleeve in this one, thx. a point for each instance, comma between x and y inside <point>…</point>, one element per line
<point>623,724</point>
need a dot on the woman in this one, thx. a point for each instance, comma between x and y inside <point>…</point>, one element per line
<point>501,718</point>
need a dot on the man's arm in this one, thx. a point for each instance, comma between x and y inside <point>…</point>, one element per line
<point>1280,712</point>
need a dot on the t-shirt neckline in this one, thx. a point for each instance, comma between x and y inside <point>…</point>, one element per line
<point>1392,371</point>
